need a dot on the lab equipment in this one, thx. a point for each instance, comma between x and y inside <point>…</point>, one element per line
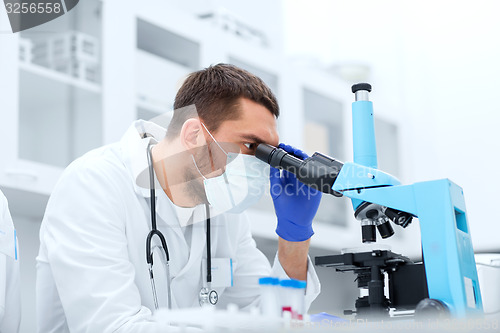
<point>207,295</point>
<point>292,297</point>
<point>212,319</point>
<point>488,272</point>
<point>269,297</point>
<point>295,206</point>
<point>324,317</point>
<point>369,268</point>
<point>378,199</point>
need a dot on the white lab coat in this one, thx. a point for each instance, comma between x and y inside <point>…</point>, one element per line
<point>10,290</point>
<point>92,274</point>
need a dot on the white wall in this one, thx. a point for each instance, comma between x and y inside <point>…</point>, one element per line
<point>266,16</point>
<point>461,87</point>
<point>434,65</point>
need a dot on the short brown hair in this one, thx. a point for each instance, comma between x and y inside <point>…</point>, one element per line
<point>215,92</point>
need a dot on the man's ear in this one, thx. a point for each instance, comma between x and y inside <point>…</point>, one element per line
<point>192,135</point>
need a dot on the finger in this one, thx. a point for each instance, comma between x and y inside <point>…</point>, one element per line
<point>289,178</point>
<point>286,147</point>
<point>314,192</point>
<point>276,183</point>
<point>275,177</point>
<point>301,154</point>
<point>294,151</point>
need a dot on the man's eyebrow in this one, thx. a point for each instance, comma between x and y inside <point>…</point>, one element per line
<point>252,138</point>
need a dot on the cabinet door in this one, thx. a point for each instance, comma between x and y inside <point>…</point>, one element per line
<point>11,174</point>
<point>53,103</point>
<point>9,82</point>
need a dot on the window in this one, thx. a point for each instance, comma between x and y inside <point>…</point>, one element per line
<point>324,132</point>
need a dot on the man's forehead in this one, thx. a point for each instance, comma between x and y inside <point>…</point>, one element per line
<point>255,137</point>
<point>255,124</point>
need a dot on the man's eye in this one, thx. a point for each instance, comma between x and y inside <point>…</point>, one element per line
<point>250,146</point>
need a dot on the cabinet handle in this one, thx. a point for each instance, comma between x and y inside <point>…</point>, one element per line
<point>26,175</point>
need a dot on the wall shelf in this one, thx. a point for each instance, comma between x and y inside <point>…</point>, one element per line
<point>51,74</point>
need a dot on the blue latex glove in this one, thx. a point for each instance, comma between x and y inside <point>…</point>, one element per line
<point>326,318</point>
<point>295,203</point>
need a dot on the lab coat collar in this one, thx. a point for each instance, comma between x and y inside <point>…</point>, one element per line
<point>134,147</point>
<point>8,238</point>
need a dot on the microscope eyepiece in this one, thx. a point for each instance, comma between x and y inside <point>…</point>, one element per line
<point>264,152</point>
<point>361,86</point>
<point>318,171</point>
<point>278,158</point>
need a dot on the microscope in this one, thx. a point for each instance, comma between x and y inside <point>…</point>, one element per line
<point>446,282</point>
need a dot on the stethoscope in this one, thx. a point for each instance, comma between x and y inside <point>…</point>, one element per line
<point>207,295</point>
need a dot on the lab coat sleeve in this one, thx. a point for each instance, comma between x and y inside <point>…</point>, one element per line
<point>251,264</point>
<point>85,238</point>
<point>10,292</point>
<point>313,287</point>
<point>10,295</point>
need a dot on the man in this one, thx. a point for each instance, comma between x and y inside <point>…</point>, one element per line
<point>92,270</point>
<point>10,292</point>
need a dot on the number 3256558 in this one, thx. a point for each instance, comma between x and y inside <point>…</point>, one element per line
<point>33,8</point>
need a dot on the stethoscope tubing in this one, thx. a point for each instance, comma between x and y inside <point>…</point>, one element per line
<point>155,232</point>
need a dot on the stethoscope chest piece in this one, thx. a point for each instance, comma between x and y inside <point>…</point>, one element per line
<point>208,296</point>
<point>213,297</point>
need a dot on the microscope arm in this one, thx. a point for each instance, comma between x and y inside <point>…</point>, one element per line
<point>372,185</point>
<point>331,176</point>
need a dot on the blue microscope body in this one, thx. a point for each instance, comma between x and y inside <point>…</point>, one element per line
<point>380,200</point>
<point>448,255</point>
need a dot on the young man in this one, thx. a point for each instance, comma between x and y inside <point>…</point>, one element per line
<point>10,291</point>
<point>92,270</point>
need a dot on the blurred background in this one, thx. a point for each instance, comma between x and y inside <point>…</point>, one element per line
<point>78,82</point>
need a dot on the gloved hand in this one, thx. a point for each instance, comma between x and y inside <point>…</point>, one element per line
<point>295,203</point>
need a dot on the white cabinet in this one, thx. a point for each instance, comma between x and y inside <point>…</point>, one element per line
<point>51,100</point>
<point>60,107</point>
